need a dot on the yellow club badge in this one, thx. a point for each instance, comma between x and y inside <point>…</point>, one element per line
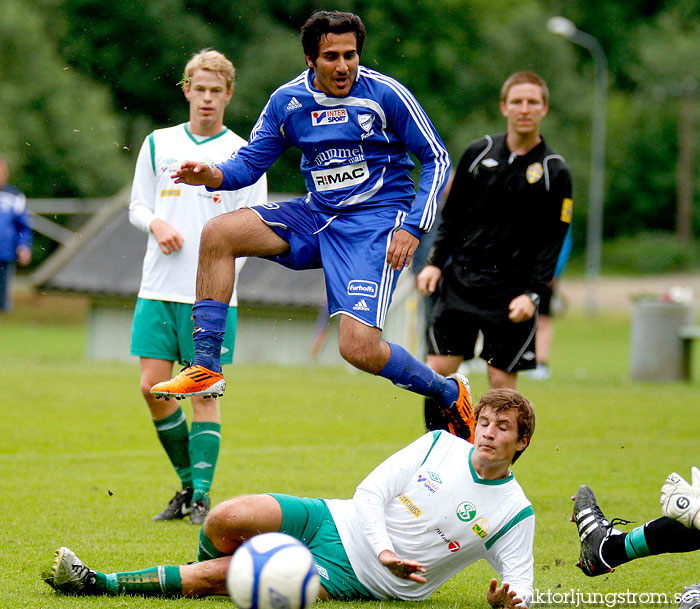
<point>567,209</point>
<point>534,172</point>
<point>481,527</point>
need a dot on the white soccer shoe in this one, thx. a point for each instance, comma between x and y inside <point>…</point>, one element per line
<point>680,500</point>
<point>69,574</point>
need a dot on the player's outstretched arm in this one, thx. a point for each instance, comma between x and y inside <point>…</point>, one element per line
<point>402,567</point>
<point>503,597</point>
<point>198,174</point>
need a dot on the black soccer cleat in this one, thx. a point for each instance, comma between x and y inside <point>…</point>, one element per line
<point>178,507</point>
<point>200,510</point>
<point>593,529</point>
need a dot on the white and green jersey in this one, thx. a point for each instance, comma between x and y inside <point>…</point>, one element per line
<point>427,503</point>
<point>186,208</point>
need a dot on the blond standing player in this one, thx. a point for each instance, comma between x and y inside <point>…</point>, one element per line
<point>174,216</point>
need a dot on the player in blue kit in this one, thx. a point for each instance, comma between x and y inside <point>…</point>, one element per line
<point>361,220</point>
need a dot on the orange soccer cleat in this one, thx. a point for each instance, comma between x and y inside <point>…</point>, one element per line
<point>460,416</point>
<point>192,380</point>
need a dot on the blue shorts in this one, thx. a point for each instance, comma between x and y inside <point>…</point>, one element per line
<point>351,248</point>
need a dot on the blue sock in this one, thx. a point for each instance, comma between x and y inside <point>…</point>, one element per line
<point>209,329</point>
<point>407,372</point>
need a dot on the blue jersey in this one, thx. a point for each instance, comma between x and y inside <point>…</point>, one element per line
<point>355,148</point>
<point>15,225</point>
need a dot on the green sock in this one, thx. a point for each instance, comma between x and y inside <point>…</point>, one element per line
<point>156,581</point>
<point>106,583</point>
<point>205,439</point>
<point>206,550</point>
<point>636,544</point>
<point>173,435</point>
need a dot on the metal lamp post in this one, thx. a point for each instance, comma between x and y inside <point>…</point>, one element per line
<point>594,236</point>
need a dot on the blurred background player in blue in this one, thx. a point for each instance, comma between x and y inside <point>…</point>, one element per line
<point>496,247</point>
<point>15,234</point>
<point>361,220</point>
<point>550,301</point>
<point>173,218</point>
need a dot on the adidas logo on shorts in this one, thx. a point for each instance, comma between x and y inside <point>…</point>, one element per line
<point>361,306</point>
<point>294,104</point>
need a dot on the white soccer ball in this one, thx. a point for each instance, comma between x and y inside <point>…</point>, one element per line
<point>273,571</point>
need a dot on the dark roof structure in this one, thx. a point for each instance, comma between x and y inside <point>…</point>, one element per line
<point>105,260</point>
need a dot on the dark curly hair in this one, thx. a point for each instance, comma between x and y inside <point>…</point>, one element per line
<point>324,22</point>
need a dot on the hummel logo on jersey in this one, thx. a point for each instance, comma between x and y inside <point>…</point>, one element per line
<point>329,117</point>
<point>293,104</point>
<point>361,306</point>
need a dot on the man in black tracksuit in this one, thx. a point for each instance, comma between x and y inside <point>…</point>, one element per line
<point>496,248</point>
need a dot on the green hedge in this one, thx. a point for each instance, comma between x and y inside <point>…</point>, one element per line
<point>651,252</point>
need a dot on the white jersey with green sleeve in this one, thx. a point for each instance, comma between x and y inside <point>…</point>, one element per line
<point>427,503</point>
<point>172,277</point>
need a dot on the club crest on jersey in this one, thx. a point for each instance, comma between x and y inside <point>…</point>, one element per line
<point>366,121</point>
<point>534,172</point>
<point>359,287</point>
<point>329,117</point>
<point>481,527</point>
<point>466,511</point>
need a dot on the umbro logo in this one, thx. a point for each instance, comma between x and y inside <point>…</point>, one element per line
<point>293,104</point>
<point>202,465</point>
<point>361,306</point>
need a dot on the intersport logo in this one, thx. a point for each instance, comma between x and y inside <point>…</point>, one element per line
<point>329,117</point>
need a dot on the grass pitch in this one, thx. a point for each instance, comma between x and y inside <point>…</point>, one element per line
<point>81,465</point>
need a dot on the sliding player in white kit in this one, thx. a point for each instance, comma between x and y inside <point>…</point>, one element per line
<point>420,517</point>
